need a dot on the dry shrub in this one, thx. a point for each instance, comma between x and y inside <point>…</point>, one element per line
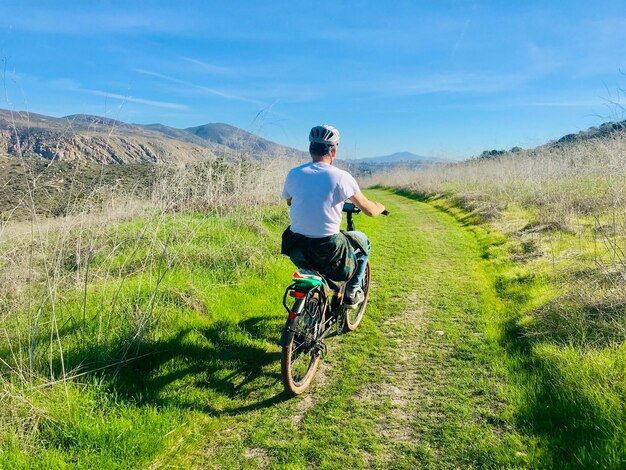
<point>39,250</point>
<point>558,183</point>
<point>219,184</point>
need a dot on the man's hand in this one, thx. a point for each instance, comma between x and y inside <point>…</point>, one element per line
<point>368,207</point>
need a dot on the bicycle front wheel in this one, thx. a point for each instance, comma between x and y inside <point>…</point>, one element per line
<point>354,316</point>
<point>301,354</point>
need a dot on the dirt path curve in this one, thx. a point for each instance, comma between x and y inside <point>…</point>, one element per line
<point>416,386</point>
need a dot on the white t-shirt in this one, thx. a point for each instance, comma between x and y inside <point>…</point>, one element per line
<point>318,191</point>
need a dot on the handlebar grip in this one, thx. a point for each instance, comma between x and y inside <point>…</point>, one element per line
<point>385,212</point>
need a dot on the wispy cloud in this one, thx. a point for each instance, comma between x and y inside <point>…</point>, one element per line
<point>210,68</point>
<point>201,88</point>
<point>82,20</point>
<point>545,102</point>
<point>464,82</point>
<point>71,85</point>
<point>564,104</point>
<point>132,99</point>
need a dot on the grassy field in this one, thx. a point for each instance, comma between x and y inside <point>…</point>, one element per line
<point>565,356</point>
<point>146,336</point>
<point>153,307</point>
<point>559,271</point>
<point>123,374</point>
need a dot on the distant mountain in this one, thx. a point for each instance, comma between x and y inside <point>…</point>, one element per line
<point>401,157</point>
<point>82,137</point>
<point>398,160</point>
<point>239,140</point>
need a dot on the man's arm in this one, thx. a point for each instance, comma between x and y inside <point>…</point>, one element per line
<point>368,207</point>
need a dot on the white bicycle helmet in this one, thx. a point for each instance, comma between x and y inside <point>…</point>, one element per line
<point>324,134</point>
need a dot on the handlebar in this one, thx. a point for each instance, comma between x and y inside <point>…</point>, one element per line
<point>350,208</point>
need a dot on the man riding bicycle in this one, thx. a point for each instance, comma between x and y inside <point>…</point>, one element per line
<point>315,193</point>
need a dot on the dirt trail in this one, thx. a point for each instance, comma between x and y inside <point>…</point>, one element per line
<point>414,387</point>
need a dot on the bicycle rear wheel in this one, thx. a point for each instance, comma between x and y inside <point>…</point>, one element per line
<point>301,354</point>
<point>354,316</point>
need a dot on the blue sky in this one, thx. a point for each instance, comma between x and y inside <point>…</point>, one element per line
<point>446,78</point>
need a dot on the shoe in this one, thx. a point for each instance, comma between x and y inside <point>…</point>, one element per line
<point>354,299</point>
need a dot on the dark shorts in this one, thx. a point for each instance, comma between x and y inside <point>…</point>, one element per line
<point>333,256</point>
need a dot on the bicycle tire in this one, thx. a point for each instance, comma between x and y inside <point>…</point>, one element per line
<point>297,377</point>
<point>352,322</point>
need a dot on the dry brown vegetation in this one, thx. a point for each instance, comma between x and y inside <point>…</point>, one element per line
<point>557,184</point>
<point>36,251</point>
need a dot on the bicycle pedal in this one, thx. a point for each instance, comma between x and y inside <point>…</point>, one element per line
<point>324,351</point>
<point>320,349</point>
<point>340,321</point>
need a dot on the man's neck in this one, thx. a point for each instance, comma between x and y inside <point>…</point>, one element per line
<point>328,160</point>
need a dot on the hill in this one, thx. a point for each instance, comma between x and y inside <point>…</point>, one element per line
<point>238,139</point>
<point>604,130</point>
<point>83,137</point>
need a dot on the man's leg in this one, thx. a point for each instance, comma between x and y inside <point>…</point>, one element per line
<point>361,256</point>
<point>297,258</point>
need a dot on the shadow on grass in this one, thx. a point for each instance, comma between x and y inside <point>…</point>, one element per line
<point>225,368</point>
<point>222,369</point>
<point>572,425</point>
<point>560,405</point>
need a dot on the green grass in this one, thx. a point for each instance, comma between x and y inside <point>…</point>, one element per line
<point>564,354</point>
<point>197,340</point>
<point>437,376</point>
<point>201,386</point>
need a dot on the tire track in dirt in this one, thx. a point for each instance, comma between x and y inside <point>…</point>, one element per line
<point>310,399</point>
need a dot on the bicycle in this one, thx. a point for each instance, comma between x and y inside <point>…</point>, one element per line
<point>317,306</point>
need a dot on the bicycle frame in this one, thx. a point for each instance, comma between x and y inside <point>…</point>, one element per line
<point>302,293</point>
